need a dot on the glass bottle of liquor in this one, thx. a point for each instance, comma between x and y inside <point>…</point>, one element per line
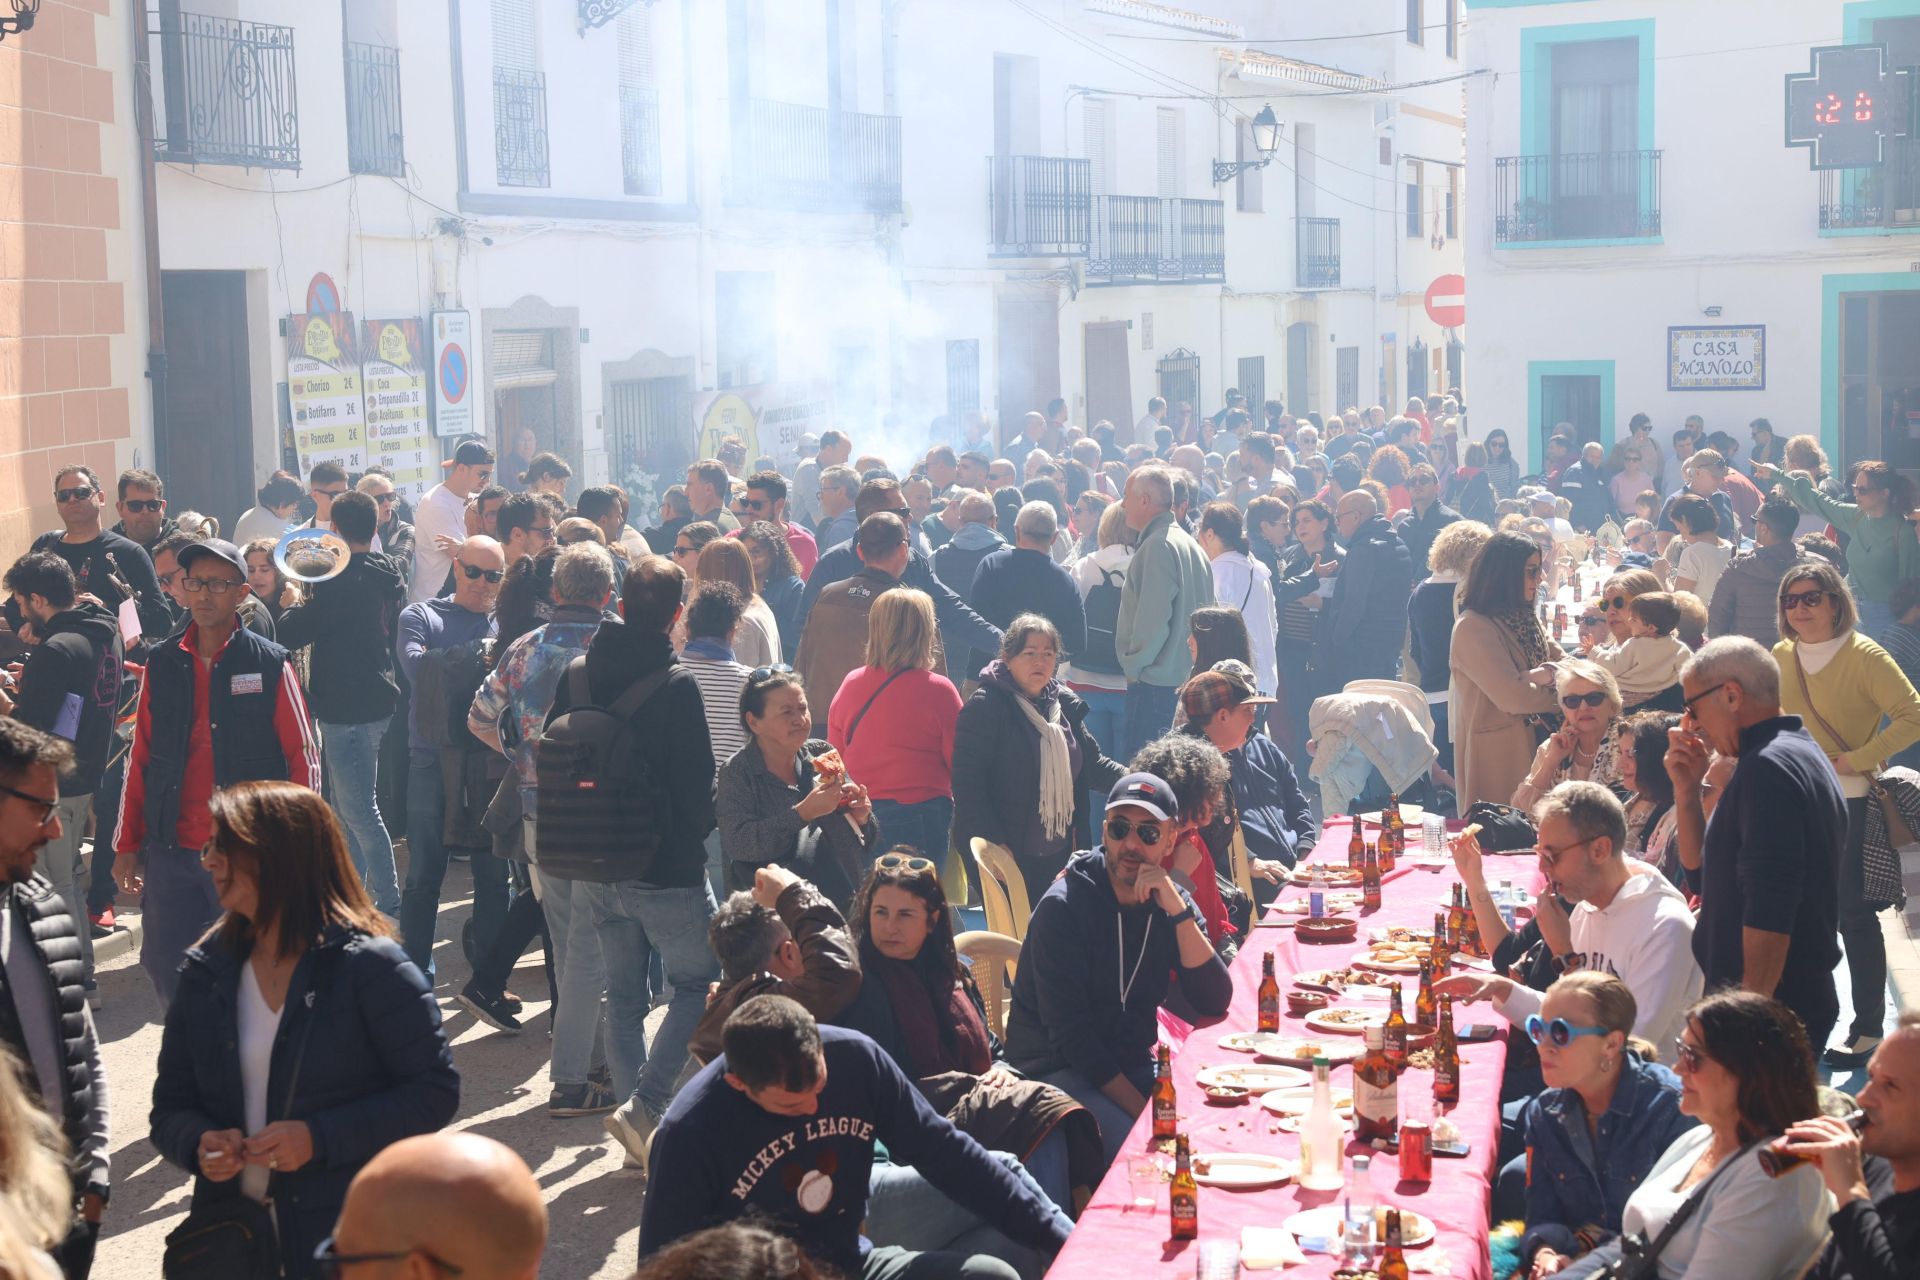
<point>1370,880</point>
<point>1446,1057</point>
<point>1423,1011</point>
<point>1776,1162</point>
<point>1393,1256</point>
<point>1322,1145</point>
<point>1183,1197</point>
<point>1166,1115</point>
<point>1390,846</point>
<point>1441,953</point>
<point>1269,996</point>
<point>1356,842</point>
<point>1457,918</point>
<point>1376,1091</point>
<point>1394,1033</point>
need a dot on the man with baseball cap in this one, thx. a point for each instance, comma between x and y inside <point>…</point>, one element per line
<point>1108,943</point>
<point>220,705</point>
<point>443,514</point>
<point>1265,804</point>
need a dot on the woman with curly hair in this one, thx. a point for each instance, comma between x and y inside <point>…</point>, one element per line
<point>777,570</point>
<point>1390,467</point>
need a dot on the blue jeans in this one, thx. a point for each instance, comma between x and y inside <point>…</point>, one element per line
<point>1149,715</point>
<point>1107,722</point>
<point>579,971</point>
<point>925,825</point>
<point>634,921</point>
<point>1114,1121</point>
<point>177,904</point>
<point>427,869</point>
<point>352,753</point>
<point>1875,617</point>
<point>906,1211</point>
<point>60,864</point>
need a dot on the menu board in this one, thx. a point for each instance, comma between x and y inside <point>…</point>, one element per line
<point>398,437</point>
<point>323,387</point>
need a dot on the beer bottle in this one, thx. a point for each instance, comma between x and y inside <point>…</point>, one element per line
<point>1391,846</point>
<point>1393,1257</point>
<point>1269,996</point>
<point>1776,1162</point>
<point>1473,944</point>
<point>1394,1034</point>
<point>1441,954</point>
<point>1166,1116</point>
<point>1376,1091</point>
<point>1446,1057</point>
<point>1356,842</point>
<point>1183,1198</point>
<point>1423,1011</point>
<point>1559,621</point>
<point>1457,919</point>
<point>1393,822</point>
<point>1370,880</point>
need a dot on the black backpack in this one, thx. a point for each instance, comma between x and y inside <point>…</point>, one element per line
<point>1103,619</point>
<point>599,807</point>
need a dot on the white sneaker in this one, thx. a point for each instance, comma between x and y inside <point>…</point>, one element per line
<point>632,1128</point>
<point>1853,1051</point>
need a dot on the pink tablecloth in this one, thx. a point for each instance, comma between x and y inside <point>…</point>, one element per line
<point>1111,1242</point>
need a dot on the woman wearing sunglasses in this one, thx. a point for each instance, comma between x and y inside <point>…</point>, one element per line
<point>919,1003</point>
<point>1746,1073</point>
<point>1857,704</point>
<point>1496,642</point>
<point>1881,549</point>
<point>1503,472</point>
<point>1606,1115</point>
<point>1585,748</point>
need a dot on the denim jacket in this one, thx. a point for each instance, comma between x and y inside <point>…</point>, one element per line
<point>516,696</point>
<point>1578,1184</point>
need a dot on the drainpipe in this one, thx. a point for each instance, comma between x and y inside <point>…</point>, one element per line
<point>150,226</point>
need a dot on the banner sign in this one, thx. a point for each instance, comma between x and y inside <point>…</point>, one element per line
<point>770,418</point>
<point>395,376</point>
<point>323,387</point>
<point>1722,358</point>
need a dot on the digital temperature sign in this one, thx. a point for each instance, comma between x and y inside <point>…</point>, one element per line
<point>1845,107</point>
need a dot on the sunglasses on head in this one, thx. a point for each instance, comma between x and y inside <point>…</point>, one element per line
<point>1573,701</point>
<point>137,505</point>
<point>475,571</point>
<point>904,862</point>
<point>78,494</point>
<point>1561,1032</point>
<point>1812,598</point>
<point>758,674</point>
<point>1121,828</point>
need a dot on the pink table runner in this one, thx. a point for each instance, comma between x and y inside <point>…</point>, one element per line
<point>1110,1241</point>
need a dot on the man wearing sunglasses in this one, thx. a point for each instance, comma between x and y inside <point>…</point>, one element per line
<point>441,518</point>
<point>1109,942</point>
<point>1627,919</point>
<point>766,499</point>
<point>439,1204</point>
<point>395,532</point>
<point>85,546</point>
<point>1767,862</point>
<point>143,508</point>
<point>1746,601</point>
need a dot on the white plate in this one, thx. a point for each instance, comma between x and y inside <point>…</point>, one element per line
<point>1258,1077</point>
<point>1387,966</point>
<point>1337,1050</point>
<point>1338,901</point>
<point>1291,1124</point>
<point>1366,1018</point>
<point>1327,1221</point>
<point>1338,876</point>
<point>1411,814</point>
<point>1294,1102</point>
<point>1250,1041</point>
<point>1241,1170</point>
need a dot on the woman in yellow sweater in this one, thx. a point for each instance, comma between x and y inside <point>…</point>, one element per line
<point>1861,710</point>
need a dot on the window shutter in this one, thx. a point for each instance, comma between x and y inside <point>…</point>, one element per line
<point>513,41</point>
<point>1096,126</point>
<point>1170,152</point>
<point>635,34</point>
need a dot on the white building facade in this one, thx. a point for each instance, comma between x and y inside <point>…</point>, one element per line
<point>1645,239</point>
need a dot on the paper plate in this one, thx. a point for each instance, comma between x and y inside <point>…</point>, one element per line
<point>1354,1022</point>
<point>1241,1170</point>
<point>1259,1077</point>
<point>1327,1222</point>
<point>1294,1102</point>
<point>1301,1053</point>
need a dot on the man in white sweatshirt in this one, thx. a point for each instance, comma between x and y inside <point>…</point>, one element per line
<point>1628,919</point>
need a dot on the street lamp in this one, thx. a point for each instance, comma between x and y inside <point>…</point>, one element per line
<point>1266,140</point>
<point>22,19</point>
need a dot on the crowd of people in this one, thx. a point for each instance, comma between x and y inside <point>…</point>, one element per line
<point>745,769</point>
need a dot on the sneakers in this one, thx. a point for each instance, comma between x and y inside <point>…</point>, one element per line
<point>632,1127</point>
<point>1854,1051</point>
<point>102,924</point>
<point>589,1099</point>
<point>490,1009</point>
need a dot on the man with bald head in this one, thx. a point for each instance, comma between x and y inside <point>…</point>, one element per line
<point>442,1204</point>
<point>1367,616</point>
<point>438,646</point>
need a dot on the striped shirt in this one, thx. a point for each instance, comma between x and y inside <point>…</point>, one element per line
<point>720,681</point>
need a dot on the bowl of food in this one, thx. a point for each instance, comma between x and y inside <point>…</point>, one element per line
<point>1302,1002</point>
<point>1328,929</point>
<point>1226,1095</point>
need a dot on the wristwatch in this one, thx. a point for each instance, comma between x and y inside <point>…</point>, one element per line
<point>1182,918</point>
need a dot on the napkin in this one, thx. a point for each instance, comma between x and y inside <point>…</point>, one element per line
<point>1268,1249</point>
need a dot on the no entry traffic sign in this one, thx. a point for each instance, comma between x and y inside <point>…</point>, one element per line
<point>1447,301</point>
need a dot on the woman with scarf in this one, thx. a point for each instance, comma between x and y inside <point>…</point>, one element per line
<point>1502,470</point>
<point>1430,618</point>
<point>1496,642</point>
<point>1470,490</point>
<point>1023,760</point>
<point>919,1004</point>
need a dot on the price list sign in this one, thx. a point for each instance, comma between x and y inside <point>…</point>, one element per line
<point>398,437</point>
<point>1847,104</point>
<point>323,386</point>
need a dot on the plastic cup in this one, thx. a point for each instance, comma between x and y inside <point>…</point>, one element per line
<point>1217,1260</point>
<point>1144,1184</point>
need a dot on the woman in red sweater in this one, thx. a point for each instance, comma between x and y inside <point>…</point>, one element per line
<point>893,721</point>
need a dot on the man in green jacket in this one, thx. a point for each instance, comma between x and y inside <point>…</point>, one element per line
<point>1881,547</point>
<point>1167,579</point>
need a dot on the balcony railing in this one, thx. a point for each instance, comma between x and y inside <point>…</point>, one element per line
<point>1316,253</point>
<point>1148,240</point>
<point>1886,196</point>
<point>787,156</point>
<point>640,140</point>
<point>1591,195</point>
<point>227,92</point>
<point>1040,206</point>
<point>375,141</point>
<point>520,127</point>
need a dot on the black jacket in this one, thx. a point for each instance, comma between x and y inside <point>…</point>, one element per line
<point>70,687</point>
<point>350,622</point>
<point>375,1068</point>
<point>679,750</point>
<point>1587,489</point>
<point>1016,580</point>
<point>1419,531</point>
<point>1366,620</point>
<point>88,560</point>
<point>50,930</point>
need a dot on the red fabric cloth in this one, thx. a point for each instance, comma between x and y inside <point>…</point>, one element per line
<point>1109,1241</point>
<point>805,549</point>
<point>1206,892</point>
<point>904,750</point>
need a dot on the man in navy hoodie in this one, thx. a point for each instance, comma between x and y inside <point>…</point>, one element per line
<point>782,1126</point>
<point>1108,943</point>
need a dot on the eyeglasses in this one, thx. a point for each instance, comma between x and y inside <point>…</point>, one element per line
<point>758,674</point>
<point>542,531</point>
<point>1690,1059</point>
<point>1574,701</point>
<point>46,806</point>
<point>475,571</point>
<point>1120,829</point>
<point>1551,856</point>
<point>679,550</point>
<point>1688,704</point>
<point>1592,619</point>
<point>755,504</point>
<point>1811,598</point>
<point>329,493</point>
<point>1560,1031</point>
<point>384,499</point>
<point>329,1265</point>
<point>138,505</point>
<point>80,494</point>
<point>213,586</point>
<point>903,862</point>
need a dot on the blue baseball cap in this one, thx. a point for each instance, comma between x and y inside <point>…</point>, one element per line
<point>1147,792</point>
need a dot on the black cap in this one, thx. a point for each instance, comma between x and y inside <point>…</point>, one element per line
<point>471,453</point>
<point>1146,791</point>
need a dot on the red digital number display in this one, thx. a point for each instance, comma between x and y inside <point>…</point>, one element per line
<point>1831,109</point>
<point>1862,106</point>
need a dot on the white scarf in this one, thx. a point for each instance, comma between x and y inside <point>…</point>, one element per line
<point>1056,768</point>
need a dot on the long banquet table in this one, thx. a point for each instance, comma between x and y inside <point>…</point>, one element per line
<point>1112,1240</point>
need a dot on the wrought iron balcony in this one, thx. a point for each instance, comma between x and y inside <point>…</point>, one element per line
<point>1589,195</point>
<point>787,156</point>
<point>640,140</point>
<point>1040,206</point>
<point>520,127</point>
<point>375,141</point>
<point>227,92</point>
<point>1316,253</point>
<point>1149,240</point>
<point>1884,197</point>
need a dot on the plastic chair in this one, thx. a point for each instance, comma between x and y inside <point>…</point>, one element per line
<point>1003,889</point>
<point>1411,696</point>
<point>994,958</point>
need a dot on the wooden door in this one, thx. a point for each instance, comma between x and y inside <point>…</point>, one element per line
<point>1109,393</point>
<point>1028,359</point>
<point>204,451</point>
